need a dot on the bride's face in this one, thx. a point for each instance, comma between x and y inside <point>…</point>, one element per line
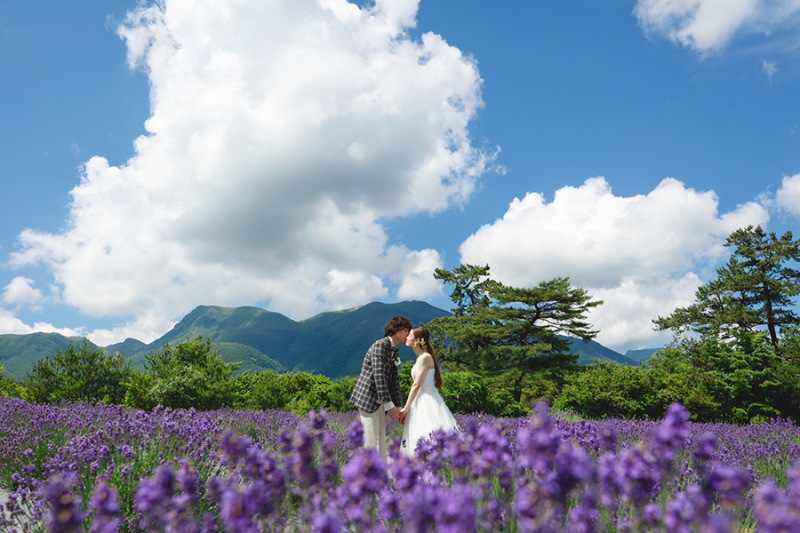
<point>410,339</point>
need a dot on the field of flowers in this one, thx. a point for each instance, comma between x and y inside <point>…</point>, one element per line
<point>98,468</point>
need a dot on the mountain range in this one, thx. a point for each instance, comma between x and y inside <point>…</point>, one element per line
<point>331,343</point>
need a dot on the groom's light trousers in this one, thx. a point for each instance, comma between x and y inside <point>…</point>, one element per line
<point>374,425</point>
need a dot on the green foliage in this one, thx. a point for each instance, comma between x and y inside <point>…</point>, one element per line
<point>8,387</point>
<point>676,380</point>
<point>754,290</point>
<point>268,391</point>
<point>405,378</point>
<point>308,392</point>
<point>740,376</point>
<point>465,392</point>
<point>86,373</point>
<point>299,392</point>
<point>339,396</point>
<point>191,375</point>
<point>741,381</point>
<point>609,390</point>
<point>517,332</point>
<point>137,394</point>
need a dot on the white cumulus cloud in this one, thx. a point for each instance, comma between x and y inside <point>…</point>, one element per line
<point>707,26</point>
<point>642,255</point>
<point>20,292</point>
<point>417,281</point>
<point>282,134</point>
<point>11,325</point>
<point>788,196</point>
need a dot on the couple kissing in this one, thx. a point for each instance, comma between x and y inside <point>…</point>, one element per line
<point>377,391</point>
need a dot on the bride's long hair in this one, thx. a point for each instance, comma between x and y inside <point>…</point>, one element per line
<point>421,333</point>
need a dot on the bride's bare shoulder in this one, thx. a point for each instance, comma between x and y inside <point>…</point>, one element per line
<point>426,360</point>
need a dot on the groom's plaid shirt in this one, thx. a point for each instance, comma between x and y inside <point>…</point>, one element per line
<point>378,382</point>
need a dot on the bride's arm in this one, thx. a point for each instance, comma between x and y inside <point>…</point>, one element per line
<point>426,364</point>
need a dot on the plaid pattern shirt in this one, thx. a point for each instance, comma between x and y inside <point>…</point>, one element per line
<point>378,382</point>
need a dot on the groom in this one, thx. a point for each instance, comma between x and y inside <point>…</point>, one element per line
<point>377,390</point>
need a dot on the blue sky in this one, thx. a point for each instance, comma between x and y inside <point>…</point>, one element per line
<point>314,155</point>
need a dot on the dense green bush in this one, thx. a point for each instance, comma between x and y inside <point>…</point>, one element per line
<point>191,375</point>
<point>8,387</point>
<point>609,390</point>
<point>741,381</point>
<point>83,374</point>
<point>737,381</point>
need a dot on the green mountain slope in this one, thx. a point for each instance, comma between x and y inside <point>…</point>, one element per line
<point>127,347</point>
<point>589,352</point>
<point>240,334</point>
<point>644,354</point>
<point>19,352</point>
<point>332,343</point>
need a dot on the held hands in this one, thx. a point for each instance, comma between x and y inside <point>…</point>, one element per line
<point>403,415</point>
<point>393,413</point>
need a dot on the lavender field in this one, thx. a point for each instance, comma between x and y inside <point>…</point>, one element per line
<point>85,467</point>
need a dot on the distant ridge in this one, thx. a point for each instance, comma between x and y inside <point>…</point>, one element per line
<point>19,352</point>
<point>644,354</point>
<point>331,343</point>
<point>591,351</point>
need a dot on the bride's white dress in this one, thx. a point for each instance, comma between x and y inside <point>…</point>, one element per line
<point>427,414</point>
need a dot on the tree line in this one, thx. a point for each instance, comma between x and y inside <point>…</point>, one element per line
<point>735,356</point>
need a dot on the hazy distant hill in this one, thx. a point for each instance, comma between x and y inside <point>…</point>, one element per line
<point>644,354</point>
<point>331,343</point>
<point>589,352</point>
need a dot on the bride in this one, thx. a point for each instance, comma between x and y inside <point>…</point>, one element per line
<point>425,410</point>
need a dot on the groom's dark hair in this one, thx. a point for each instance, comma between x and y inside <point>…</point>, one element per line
<point>395,324</point>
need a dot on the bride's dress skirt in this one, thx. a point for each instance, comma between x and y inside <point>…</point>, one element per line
<point>427,414</point>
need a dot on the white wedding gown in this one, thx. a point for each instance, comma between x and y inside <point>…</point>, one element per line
<point>427,414</point>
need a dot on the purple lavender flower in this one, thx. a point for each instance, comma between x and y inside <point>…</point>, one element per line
<point>405,472</point>
<point>670,435</point>
<point>65,515</point>
<point>326,523</point>
<point>729,483</point>
<point>583,517</point>
<point>238,512</point>
<point>686,509</point>
<point>573,465</point>
<point>608,439</point>
<point>152,496</point>
<point>537,444</point>
<point>773,510</point>
<point>706,446</point>
<point>365,473</point>
<point>106,505</point>
<point>419,510</point>
<point>651,514</point>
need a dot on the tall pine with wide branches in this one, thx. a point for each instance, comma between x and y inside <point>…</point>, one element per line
<point>507,332</point>
<point>754,290</point>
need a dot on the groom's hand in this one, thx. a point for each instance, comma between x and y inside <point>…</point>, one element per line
<point>393,413</point>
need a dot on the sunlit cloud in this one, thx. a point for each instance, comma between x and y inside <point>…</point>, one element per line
<point>643,255</point>
<point>707,26</point>
<point>20,292</point>
<point>283,134</point>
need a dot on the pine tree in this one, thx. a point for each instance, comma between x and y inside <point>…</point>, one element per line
<point>514,332</point>
<point>753,291</point>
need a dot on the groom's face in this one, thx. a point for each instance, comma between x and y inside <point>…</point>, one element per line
<point>401,336</point>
